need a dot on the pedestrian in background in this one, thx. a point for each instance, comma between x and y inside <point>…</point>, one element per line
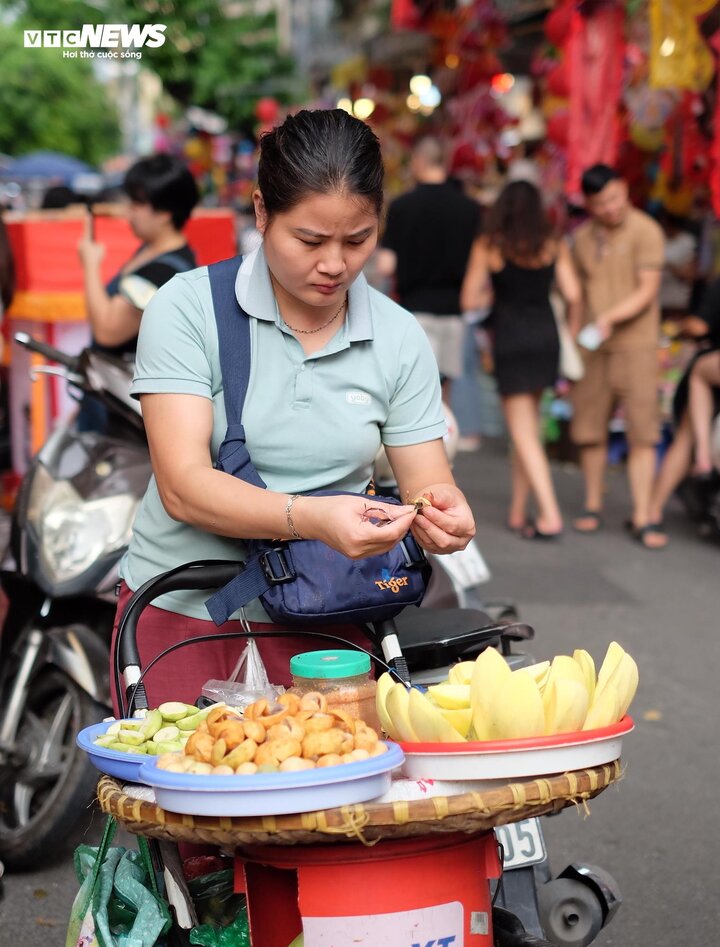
<point>619,253</point>
<point>162,194</point>
<point>426,245</point>
<point>515,264</point>
<point>704,328</point>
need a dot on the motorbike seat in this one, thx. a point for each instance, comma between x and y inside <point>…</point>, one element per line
<point>443,635</point>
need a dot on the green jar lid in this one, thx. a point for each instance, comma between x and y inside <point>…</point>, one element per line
<point>330,664</point>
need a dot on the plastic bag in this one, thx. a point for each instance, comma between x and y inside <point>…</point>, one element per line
<point>221,911</point>
<point>247,683</point>
<point>117,904</point>
<point>216,901</point>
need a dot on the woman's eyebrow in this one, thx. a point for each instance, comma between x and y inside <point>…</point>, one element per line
<point>314,233</point>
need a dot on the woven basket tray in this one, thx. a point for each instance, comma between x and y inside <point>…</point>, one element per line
<point>368,822</point>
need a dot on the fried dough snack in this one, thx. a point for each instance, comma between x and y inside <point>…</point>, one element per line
<point>293,733</point>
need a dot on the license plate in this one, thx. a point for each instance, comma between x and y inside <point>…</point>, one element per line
<point>522,843</point>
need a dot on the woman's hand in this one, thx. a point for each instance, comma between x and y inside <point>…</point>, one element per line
<point>448,524</point>
<point>90,252</point>
<point>356,526</point>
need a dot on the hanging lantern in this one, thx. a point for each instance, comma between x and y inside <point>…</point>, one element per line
<point>557,23</point>
<point>267,110</point>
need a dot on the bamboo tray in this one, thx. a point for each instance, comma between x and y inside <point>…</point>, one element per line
<point>366,822</point>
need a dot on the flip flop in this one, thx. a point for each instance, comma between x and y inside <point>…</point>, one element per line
<point>594,515</point>
<point>640,534</point>
<point>531,531</point>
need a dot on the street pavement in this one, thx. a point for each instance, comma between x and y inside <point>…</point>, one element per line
<point>656,831</point>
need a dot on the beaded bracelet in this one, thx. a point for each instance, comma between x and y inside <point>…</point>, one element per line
<point>288,515</point>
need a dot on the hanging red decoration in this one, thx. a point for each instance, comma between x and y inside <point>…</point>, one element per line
<point>595,54</point>
<point>267,110</point>
<point>558,80</point>
<point>557,23</point>
<point>558,127</point>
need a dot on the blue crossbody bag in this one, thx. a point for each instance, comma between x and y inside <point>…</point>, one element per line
<point>301,581</point>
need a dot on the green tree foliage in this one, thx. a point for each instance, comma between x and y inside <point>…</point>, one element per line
<point>47,102</point>
<point>219,61</point>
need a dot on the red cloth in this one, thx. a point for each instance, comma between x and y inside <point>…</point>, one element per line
<point>181,675</point>
<point>595,54</point>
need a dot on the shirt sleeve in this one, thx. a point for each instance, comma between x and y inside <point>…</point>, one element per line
<point>172,356</point>
<point>650,247</point>
<point>415,414</point>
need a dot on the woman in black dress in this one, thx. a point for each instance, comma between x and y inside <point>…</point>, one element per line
<point>519,260</point>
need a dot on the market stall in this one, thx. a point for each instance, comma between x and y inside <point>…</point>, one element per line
<point>320,832</point>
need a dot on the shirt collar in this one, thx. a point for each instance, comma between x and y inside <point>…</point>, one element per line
<point>254,292</point>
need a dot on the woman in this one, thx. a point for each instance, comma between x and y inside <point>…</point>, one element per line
<point>693,409</point>
<point>162,193</point>
<point>337,369</point>
<point>521,259</point>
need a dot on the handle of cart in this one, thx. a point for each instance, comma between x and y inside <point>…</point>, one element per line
<point>431,628</point>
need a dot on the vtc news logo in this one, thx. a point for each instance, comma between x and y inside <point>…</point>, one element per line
<point>98,36</point>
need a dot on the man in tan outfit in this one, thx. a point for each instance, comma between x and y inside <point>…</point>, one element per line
<point>619,255</point>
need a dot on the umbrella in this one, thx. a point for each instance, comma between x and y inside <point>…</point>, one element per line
<point>48,165</point>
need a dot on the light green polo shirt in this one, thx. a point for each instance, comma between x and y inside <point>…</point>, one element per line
<point>312,421</point>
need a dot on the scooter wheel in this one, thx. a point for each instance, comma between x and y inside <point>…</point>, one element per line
<point>570,912</point>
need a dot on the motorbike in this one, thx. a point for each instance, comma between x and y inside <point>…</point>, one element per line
<point>70,526</point>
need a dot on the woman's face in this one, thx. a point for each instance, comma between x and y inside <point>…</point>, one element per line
<point>316,249</point>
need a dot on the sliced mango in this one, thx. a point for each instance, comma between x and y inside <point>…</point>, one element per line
<point>612,658</point>
<point>461,673</point>
<point>517,711</point>
<point>384,684</point>
<point>587,666</point>
<point>605,709</point>
<point>566,705</point>
<point>427,721</point>
<point>396,704</point>
<point>460,719</point>
<point>451,696</point>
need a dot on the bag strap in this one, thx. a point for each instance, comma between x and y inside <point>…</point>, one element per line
<point>233,329</point>
<point>176,260</point>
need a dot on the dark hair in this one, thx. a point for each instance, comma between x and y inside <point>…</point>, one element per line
<point>517,223</point>
<point>59,196</point>
<point>7,268</point>
<point>164,183</point>
<point>319,152</point>
<point>596,178</point>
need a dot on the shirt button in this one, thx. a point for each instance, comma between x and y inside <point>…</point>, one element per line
<point>302,368</point>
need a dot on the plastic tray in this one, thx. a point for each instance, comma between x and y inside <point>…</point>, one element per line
<point>272,793</point>
<point>515,759</point>
<point>125,766</point>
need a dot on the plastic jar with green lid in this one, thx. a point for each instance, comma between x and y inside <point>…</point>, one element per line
<point>343,677</point>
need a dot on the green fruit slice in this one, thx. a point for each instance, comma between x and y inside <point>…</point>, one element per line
<point>166,734</point>
<point>173,710</point>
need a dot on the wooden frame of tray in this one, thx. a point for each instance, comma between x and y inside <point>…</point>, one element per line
<point>366,822</point>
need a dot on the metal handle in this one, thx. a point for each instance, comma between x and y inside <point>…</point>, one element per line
<point>49,351</point>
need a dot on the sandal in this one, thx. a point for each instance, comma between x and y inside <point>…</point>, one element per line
<point>641,533</point>
<point>531,531</point>
<point>593,515</point>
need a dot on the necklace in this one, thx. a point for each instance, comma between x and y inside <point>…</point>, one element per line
<point>319,328</point>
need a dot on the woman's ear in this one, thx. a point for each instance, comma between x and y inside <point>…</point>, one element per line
<point>261,218</point>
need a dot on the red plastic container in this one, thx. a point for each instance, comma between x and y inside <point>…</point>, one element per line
<point>412,891</point>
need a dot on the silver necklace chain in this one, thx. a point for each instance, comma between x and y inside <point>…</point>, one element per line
<point>319,328</point>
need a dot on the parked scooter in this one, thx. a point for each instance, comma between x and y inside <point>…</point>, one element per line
<point>70,526</point>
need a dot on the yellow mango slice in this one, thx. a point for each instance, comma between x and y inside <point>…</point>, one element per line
<point>384,683</point>
<point>396,704</point>
<point>451,696</point>
<point>427,721</point>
